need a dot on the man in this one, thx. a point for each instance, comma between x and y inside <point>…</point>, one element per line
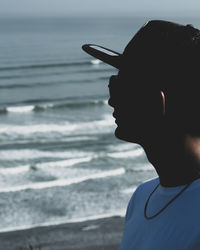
<point>156,104</point>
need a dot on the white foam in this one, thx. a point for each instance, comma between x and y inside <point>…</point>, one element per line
<point>80,138</point>
<point>63,182</point>
<point>123,146</point>
<point>15,170</point>
<point>105,102</point>
<point>129,190</point>
<point>97,126</point>
<point>63,163</point>
<point>21,109</point>
<point>127,154</point>
<point>95,61</point>
<point>49,105</point>
<point>63,221</point>
<point>44,165</point>
<point>90,227</point>
<point>27,154</point>
<point>145,167</point>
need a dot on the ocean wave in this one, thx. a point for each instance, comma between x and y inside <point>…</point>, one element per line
<point>50,65</point>
<point>53,73</point>
<point>122,146</point>
<point>104,125</point>
<point>63,163</point>
<point>63,182</point>
<point>76,104</point>
<point>141,168</point>
<point>47,83</point>
<point>44,165</point>
<point>129,190</point>
<point>43,107</point>
<point>127,154</point>
<point>30,154</point>
<point>96,61</point>
<point>17,142</point>
<point>61,159</point>
<point>15,170</point>
<point>20,109</point>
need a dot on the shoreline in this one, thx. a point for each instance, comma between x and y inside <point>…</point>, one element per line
<point>99,234</point>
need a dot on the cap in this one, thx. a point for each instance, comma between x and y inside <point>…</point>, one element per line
<point>162,55</point>
<point>106,55</point>
<point>155,38</point>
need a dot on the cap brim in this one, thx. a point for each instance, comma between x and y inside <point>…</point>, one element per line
<point>108,56</point>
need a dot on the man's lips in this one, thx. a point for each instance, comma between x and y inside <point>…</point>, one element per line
<point>115,115</point>
<point>117,118</point>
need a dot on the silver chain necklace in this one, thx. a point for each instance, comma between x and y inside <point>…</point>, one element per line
<point>161,210</point>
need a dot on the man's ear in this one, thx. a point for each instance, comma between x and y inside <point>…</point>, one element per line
<point>163,101</point>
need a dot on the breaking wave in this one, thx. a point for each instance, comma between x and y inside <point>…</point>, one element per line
<point>63,182</point>
<point>50,65</point>
<point>43,107</point>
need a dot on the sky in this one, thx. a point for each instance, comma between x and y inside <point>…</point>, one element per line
<point>96,7</point>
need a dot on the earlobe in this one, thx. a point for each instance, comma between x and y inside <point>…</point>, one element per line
<point>163,101</point>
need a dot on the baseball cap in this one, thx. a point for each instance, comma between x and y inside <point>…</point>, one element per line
<point>155,40</point>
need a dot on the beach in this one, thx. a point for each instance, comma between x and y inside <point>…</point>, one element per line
<point>101,234</point>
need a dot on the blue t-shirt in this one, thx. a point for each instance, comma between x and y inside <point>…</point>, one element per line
<point>175,228</point>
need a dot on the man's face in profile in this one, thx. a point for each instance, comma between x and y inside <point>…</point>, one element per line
<point>136,105</point>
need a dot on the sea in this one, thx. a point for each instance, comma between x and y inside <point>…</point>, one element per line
<point>59,159</point>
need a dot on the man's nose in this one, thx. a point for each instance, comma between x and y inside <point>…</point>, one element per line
<point>110,102</point>
<point>112,81</point>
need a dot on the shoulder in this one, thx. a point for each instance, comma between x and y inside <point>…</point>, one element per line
<point>147,185</point>
<point>140,194</point>
<point>143,190</point>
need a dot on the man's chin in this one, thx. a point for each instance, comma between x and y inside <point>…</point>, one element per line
<point>124,135</point>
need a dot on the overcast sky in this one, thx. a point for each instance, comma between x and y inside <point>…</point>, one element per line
<point>93,7</point>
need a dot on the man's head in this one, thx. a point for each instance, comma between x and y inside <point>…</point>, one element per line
<point>157,84</point>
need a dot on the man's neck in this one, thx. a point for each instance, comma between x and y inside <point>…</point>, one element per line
<point>176,162</point>
<point>177,179</point>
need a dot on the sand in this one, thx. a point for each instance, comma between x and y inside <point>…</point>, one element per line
<point>101,234</point>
